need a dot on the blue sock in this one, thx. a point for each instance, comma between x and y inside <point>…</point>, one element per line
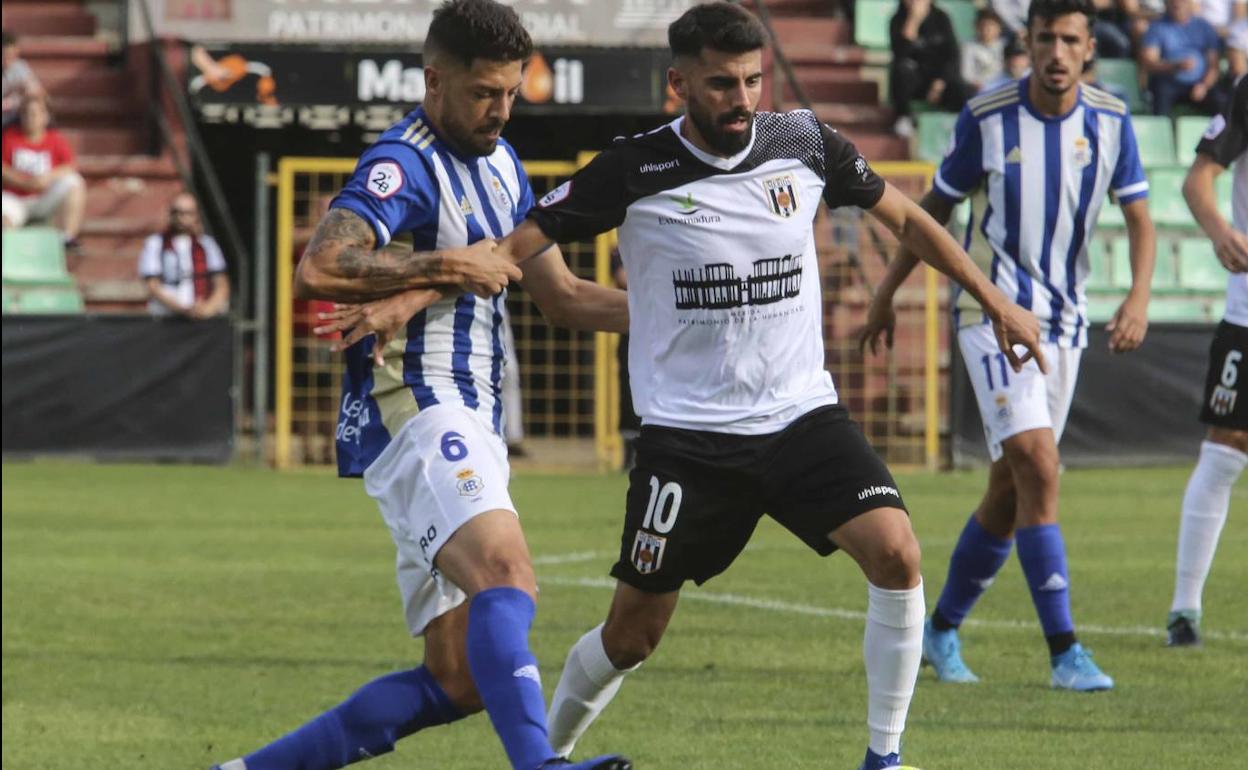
<point>365,725</point>
<point>1043,556</point>
<point>506,673</point>
<point>976,560</point>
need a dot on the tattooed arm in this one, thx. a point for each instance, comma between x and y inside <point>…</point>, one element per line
<point>343,263</point>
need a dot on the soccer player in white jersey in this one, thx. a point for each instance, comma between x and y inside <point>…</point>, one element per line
<point>421,415</point>
<point>1037,158</point>
<point>740,418</point>
<point>1224,452</point>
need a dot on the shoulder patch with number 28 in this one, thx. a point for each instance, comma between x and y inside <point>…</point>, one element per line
<point>385,178</point>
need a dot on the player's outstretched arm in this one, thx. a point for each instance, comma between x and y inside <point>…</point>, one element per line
<point>880,316</point>
<point>1230,245</point>
<point>928,239</point>
<point>566,300</point>
<point>342,262</point>
<point>1130,323</point>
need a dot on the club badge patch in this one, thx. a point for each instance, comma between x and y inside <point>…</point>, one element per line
<point>469,483</point>
<point>385,179</point>
<point>1081,156</point>
<point>648,552</point>
<point>781,195</point>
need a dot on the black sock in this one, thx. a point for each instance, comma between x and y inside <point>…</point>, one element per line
<point>1059,643</point>
<point>940,622</point>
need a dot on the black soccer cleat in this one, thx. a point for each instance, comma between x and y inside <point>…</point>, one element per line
<point>604,762</point>
<point>1183,630</point>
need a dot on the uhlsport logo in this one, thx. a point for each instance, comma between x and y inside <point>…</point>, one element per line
<point>876,491</point>
<point>654,168</point>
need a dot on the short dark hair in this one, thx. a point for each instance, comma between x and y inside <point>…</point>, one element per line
<point>1051,9</point>
<point>987,14</point>
<point>724,27</point>
<point>466,30</point>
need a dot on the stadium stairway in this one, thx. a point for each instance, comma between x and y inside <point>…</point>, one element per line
<point>835,74</point>
<point>99,104</point>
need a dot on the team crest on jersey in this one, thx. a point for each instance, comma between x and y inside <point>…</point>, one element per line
<point>1003,408</point>
<point>648,552</point>
<point>500,195</point>
<point>556,195</point>
<point>1081,156</point>
<point>469,483</point>
<point>1222,402</point>
<point>465,206</point>
<point>781,195</point>
<point>385,179</point>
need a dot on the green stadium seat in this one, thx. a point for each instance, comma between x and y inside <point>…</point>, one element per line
<point>871,18</point>
<point>1187,132</point>
<point>932,137</point>
<point>962,15</point>
<point>34,255</point>
<point>1121,74</point>
<point>1199,269</point>
<point>1165,277</point>
<point>1223,186</point>
<point>1155,136</point>
<point>1110,217</point>
<point>10,300</point>
<point>1101,307</point>
<point>49,299</point>
<point>1194,309</point>
<point>1100,271</point>
<point>1165,198</point>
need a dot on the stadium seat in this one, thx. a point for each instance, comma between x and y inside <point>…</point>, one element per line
<point>1199,269</point>
<point>1155,136</point>
<point>1101,307</point>
<point>49,299</point>
<point>1100,271</point>
<point>34,255</point>
<point>1110,216</point>
<point>1120,74</point>
<point>962,15</point>
<point>1165,277</point>
<point>1182,310</point>
<point>871,18</point>
<point>1165,197</point>
<point>10,300</point>
<point>932,138</point>
<point>1187,132</point>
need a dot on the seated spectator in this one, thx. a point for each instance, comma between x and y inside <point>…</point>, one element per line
<point>982,58</point>
<point>925,62</point>
<point>1237,50</point>
<point>1221,13</point>
<point>1111,28</point>
<point>184,270</point>
<point>1180,54</point>
<point>19,80</point>
<point>1013,14</point>
<point>1017,65</point>
<point>41,179</point>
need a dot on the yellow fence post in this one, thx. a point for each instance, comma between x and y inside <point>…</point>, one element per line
<point>282,339</point>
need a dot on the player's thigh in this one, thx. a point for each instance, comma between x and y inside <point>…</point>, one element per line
<point>488,551</point>
<point>14,209</point>
<point>443,468</point>
<point>1060,384</point>
<point>1222,407</point>
<point>822,475</point>
<point>691,508</point>
<point>1009,402</point>
<point>883,544</point>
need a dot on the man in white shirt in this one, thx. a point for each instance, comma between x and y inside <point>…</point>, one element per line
<point>183,269</point>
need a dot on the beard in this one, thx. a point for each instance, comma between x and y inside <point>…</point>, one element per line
<point>473,141</point>
<point>712,129</point>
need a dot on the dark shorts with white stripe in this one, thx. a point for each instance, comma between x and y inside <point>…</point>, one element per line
<point>1224,404</point>
<point>695,497</point>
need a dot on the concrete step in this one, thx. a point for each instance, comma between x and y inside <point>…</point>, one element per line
<point>112,292</point>
<point>808,8</point>
<point>105,167</point>
<point>91,111</point>
<point>106,260</point>
<point>56,19</point>
<point>811,31</point>
<point>130,198</point>
<point>878,145</point>
<point>110,140</point>
<point>860,116</point>
<point>835,89</point>
<point>84,78</point>
<point>42,47</point>
<point>825,54</point>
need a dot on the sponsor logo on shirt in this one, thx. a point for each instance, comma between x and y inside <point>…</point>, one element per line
<point>556,195</point>
<point>654,168</point>
<point>689,212</point>
<point>385,179</point>
<point>717,287</point>
<point>877,491</point>
<point>1215,127</point>
<point>353,419</point>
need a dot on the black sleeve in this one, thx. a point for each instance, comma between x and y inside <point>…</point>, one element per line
<point>848,179</point>
<point>593,201</point>
<point>1226,138</point>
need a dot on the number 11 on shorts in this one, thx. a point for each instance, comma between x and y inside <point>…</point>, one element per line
<point>986,360</point>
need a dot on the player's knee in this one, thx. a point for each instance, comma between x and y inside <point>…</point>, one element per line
<point>1235,439</point>
<point>455,679</point>
<point>629,644</point>
<point>511,570</point>
<point>895,565</point>
<point>1035,466</point>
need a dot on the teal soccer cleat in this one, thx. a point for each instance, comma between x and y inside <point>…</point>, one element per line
<point>942,650</point>
<point>1075,670</point>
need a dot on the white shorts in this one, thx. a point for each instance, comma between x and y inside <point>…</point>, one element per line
<point>1012,402</point>
<point>18,210</point>
<point>444,467</point>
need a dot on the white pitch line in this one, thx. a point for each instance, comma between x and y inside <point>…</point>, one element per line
<point>775,605</point>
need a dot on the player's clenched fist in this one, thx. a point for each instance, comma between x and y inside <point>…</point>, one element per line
<point>481,269</point>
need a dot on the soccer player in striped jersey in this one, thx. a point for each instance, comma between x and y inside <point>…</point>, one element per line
<point>1224,453</point>
<point>421,410</point>
<point>1037,158</point>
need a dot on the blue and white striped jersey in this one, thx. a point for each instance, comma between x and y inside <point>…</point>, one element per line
<point>1036,185</point>
<point>411,185</point>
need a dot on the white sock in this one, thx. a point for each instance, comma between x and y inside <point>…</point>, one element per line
<point>891,648</point>
<point>1205,505</point>
<point>588,683</point>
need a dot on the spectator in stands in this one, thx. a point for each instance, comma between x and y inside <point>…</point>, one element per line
<point>1013,14</point>
<point>925,62</point>
<point>1221,13</point>
<point>41,179</point>
<point>184,270</point>
<point>982,58</point>
<point>1180,54</point>
<point>1237,50</point>
<point>1017,64</point>
<point>1111,28</point>
<point>19,79</point>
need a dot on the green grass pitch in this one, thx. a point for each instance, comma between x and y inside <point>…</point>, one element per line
<point>169,617</point>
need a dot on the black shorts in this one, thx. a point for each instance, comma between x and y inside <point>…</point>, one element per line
<point>695,497</point>
<point>1227,376</point>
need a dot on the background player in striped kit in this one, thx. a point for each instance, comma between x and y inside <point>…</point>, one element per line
<point>1037,157</point>
<point>1224,453</point>
<point>421,410</point>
